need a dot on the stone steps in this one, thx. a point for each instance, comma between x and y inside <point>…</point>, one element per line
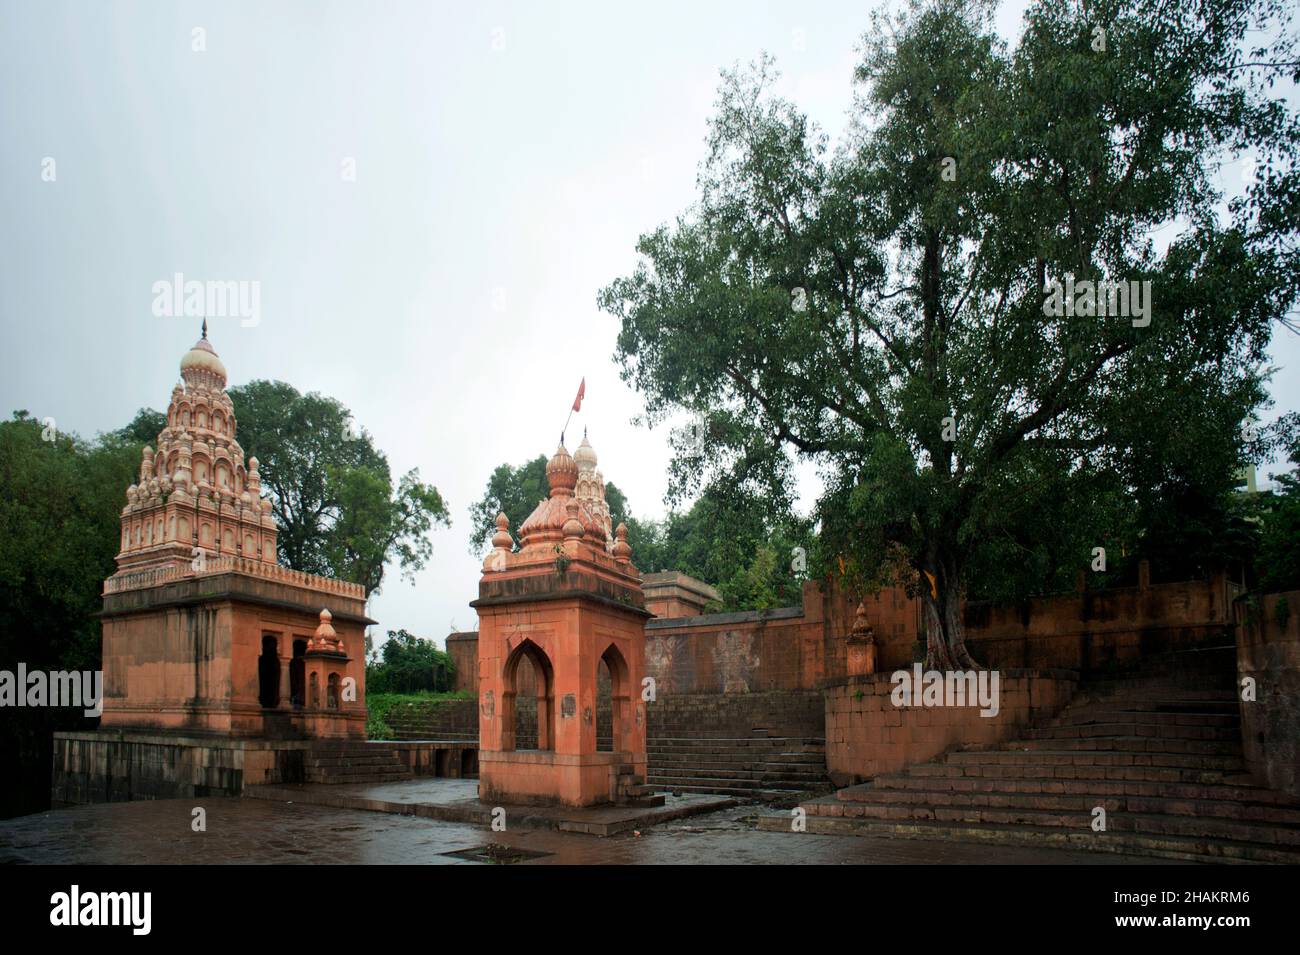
<point>1239,793</point>
<point>778,779</point>
<point>1081,800</point>
<point>1180,848</point>
<point>1161,754</point>
<point>336,763</point>
<point>1150,823</point>
<point>1090,716</point>
<point>1036,757</point>
<point>1126,744</point>
<point>1081,770</point>
<point>721,787</point>
<point>760,767</point>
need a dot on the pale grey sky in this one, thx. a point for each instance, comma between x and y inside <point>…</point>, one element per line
<point>507,157</point>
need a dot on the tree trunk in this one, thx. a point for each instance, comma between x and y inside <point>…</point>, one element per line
<point>945,633</point>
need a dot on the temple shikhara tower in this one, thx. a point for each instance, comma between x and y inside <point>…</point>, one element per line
<point>204,631</point>
<point>567,600</point>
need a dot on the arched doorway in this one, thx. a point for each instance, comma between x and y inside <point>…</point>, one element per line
<point>620,700</point>
<point>604,708</point>
<point>526,657</point>
<point>268,672</point>
<point>298,674</point>
<point>332,692</point>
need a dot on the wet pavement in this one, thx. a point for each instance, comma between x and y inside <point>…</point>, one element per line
<point>456,800</point>
<point>266,831</point>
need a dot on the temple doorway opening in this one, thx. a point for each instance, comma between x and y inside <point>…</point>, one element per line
<point>268,673</point>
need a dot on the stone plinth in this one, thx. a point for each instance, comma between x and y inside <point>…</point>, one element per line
<point>672,594</point>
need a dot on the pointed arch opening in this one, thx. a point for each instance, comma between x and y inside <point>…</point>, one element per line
<point>620,701</point>
<point>529,678</point>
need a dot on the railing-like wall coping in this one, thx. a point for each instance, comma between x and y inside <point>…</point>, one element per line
<point>153,577</point>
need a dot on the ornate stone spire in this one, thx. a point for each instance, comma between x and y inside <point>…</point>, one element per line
<point>200,366</point>
<point>196,498</point>
<point>590,489</point>
<point>546,525</point>
<point>622,550</point>
<point>502,544</point>
<point>861,644</point>
<point>326,638</point>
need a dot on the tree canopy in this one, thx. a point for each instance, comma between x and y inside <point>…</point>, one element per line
<point>753,554</point>
<point>892,309</point>
<point>409,664</point>
<point>60,498</point>
<point>331,490</point>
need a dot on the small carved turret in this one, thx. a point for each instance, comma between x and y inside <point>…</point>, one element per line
<point>622,550</point>
<point>502,544</point>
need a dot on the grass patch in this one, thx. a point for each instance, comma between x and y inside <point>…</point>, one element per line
<point>380,705</point>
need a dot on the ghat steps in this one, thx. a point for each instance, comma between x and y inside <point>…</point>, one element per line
<point>1159,749</point>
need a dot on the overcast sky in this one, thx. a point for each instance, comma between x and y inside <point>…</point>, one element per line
<point>506,155</point>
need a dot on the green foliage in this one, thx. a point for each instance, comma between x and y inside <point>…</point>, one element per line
<point>409,664</point>
<point>59,507</point>
<point>143,429</point>
<point>331,490</point>
<point>1278,562</point>
<point>742,544</point>
<point>380,706</point>
<point>860,309</point>
<point>514,490</point>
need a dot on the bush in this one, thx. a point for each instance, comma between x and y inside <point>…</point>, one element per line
<point>410,664</point>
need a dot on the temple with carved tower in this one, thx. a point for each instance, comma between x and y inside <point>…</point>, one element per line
<point>568,600</point>
<point>204,631</point>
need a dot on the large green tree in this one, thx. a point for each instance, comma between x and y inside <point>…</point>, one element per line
<point>753,552</point>
<point>60,498</point>
<point>409,664</point>
<point>331,490</point>
<point>1278,562</point>
<point>883,309</point>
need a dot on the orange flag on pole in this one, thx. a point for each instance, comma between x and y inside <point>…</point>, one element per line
<point>582,391</point>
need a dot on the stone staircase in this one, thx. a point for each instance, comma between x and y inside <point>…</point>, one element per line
<point>353,762</point>
<point>759,767</point>
<point>631,792</point>
<point>1158,749</point>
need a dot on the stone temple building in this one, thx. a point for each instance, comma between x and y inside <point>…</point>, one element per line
<point>218,661</point>
<point>203,629</point>
<point>566,602</point>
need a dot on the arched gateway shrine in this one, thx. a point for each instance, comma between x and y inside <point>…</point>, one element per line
<point>568,600</point>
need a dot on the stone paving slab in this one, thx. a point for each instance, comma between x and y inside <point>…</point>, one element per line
<point>252,831</point>
<point>456,800</point>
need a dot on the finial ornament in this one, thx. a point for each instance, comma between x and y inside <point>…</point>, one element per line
<point>862,630</point>
<point>621,550</point>
<point>205,329</point>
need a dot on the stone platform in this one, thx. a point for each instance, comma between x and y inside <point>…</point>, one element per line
<point>120,765</point>
<point>456,800</point>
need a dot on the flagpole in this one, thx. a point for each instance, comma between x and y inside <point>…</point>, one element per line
<point>582,390</point>
<point>566,425</point>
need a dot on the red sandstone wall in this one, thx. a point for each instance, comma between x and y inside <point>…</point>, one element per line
<point>668,607</point>
<point>463,650</point>
<point>1088,630</point>
<point>866,734</point>
<point>1268,651</point>
<point>799,648</point>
